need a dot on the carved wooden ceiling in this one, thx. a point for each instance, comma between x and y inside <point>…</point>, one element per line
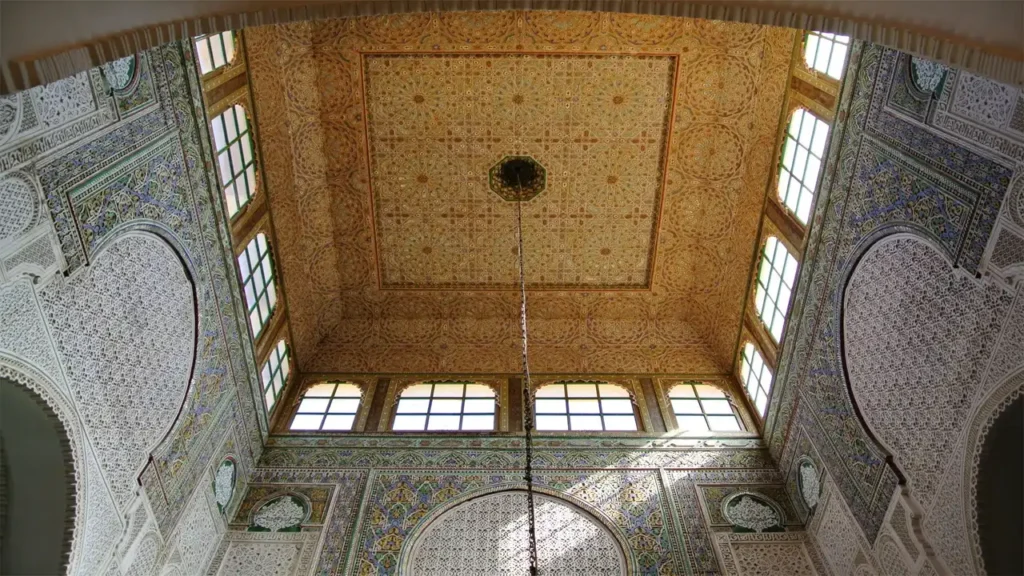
<point>656,135</point>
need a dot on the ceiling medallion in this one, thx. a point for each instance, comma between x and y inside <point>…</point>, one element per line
<point>517,178</point>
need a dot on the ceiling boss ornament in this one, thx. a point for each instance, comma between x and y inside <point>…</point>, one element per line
<point>517,178</point>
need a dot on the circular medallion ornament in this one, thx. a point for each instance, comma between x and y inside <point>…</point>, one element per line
<point>517,178</point>
<point>753,512</point>
<point>808,481</point>
<point>224,483</point>
<point>284,514</point>
<point>120,73</point>
<point>927,75</point>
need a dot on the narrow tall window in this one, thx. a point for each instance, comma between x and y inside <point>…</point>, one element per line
<point>756,376</point>
<point>328,406</point>
<point>258,283</point>
<point>275,374</point>
<point>233,141</point>
<point>584,406</point>
<point>801,162</point>
<point>775,286</point>
<point>702,408</point>
<point>445,406</point>
<point>215,50</point>
<point>826,52</point>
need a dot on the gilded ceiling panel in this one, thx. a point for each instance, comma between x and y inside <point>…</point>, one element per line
<point>643,239</point>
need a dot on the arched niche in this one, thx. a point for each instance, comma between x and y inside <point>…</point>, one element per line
<point>994,474</point>
<point>489,532</point>
<point>915,337</point>
<point>37,484</point>
<point>126,328</point>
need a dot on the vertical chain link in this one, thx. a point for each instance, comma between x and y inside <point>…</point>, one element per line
<point>527,388</point>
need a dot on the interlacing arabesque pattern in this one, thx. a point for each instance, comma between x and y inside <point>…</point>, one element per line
<point>309,98</point>
<point>491,532</point>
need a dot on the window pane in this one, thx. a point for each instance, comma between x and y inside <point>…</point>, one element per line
<point>414,406</point>
<point>681,391</point>
<point>478,422</point>
<point>479,391</point>
<point>584,407</point>
<point>613,391</point>
<point>708,391</point>
<point>313,405</point>
<point>581,390</point>
<point>685,406</point>
<point>417,391</point>
<point>717,406</point>
<point>551,390</point>
<point>349,391</point>
<point>552,423</point>
<point>620,423</point>
<point>321,390</point>
<point>410,422</point>
<point>481,406</point>
<point>448,390</point>
<point>443,423</point>
<point>551,406</point>
<point>307,422</point>
<point>349,405</point>
<point>585,423</point>
<point>339,421</point>
<point>446,406</point>
<point>723,423</point>
<point>692,423</point>
<point>617,406</point>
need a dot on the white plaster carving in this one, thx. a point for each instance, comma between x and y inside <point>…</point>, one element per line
<point>125,328</point>
<point>836,534</point>
<point>890,559</point>
<point>24,331</point>
<point>917,338</point>
<point>260,558</point>
<point>10,116</point>
<point>18,205</point>
<point>102,525</point>
<point>985,101</point>
<point>120,72</point>
<point>810,486</point>
<point>927,74</point>
<point>64,100</point>
<point>197,534</point>
<point>279,514</point>
<point>144,562</point>
<point>490,533</point>
<point>224,483</point>
<point>750,512</point>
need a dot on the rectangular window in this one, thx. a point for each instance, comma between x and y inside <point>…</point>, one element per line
<point>703,408</point>
<point>275,374</point>
<point>258,284</point>
<point>452,406</point>
<point>215,51</point>
<point>801,162</point>
<point>330,406</point>
<point>826,52</point>
<point>775,280</point>
<point>757,378</point>
<point>581,406</point>
<point>232,140</point>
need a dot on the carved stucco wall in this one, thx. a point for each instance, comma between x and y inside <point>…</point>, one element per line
<point>658,500</point>
<point>136,343</point>
<point>919,334</point>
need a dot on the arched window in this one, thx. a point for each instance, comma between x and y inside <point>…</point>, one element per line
<point>775,286</point>
<point>215,50</point>
<point>445,406</point>
<point>233,143</point>
<point>275,374</point>
<point>328,406</point>
<point>757,378</point>
<point>826,52</point>
<point>702,408</point>
<point>584,406</point>
<point>258,282</point>
<point>801,162</point>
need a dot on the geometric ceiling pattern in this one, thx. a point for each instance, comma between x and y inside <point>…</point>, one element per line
<point>656,135</point>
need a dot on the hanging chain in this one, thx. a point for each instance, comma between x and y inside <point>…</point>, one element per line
<point>527,389</point>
